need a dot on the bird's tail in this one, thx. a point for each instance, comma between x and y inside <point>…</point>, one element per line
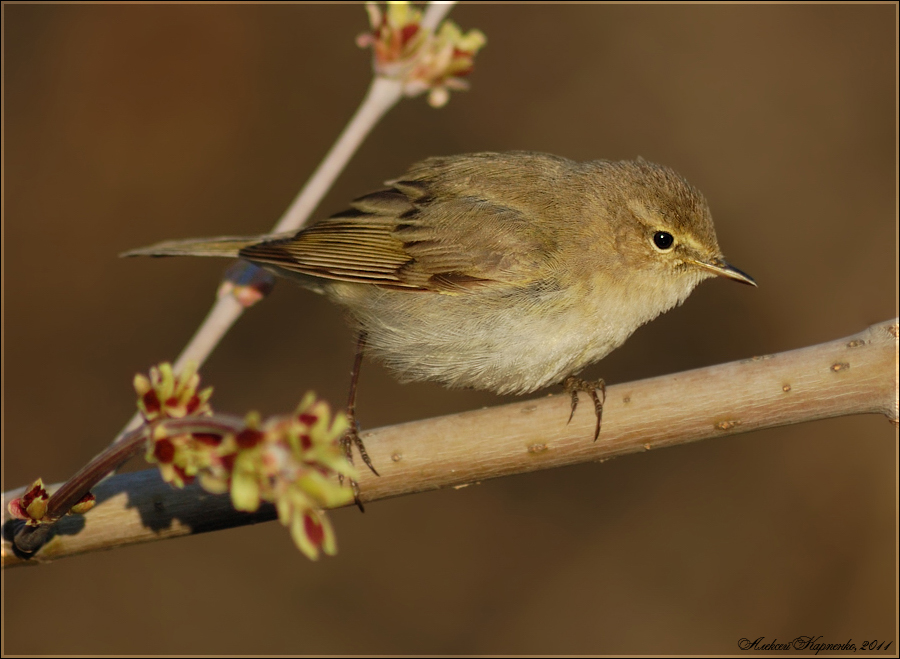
<point>225,246</point>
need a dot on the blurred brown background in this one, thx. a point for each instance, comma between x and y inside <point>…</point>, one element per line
<point>126,125</point>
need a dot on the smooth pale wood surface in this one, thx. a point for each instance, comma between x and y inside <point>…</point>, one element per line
<point>854,375</point>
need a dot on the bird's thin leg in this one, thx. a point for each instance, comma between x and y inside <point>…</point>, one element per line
<point>573,385</point>
<point>351,438</point>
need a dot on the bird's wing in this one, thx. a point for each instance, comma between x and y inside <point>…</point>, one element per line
<point>418,235</point>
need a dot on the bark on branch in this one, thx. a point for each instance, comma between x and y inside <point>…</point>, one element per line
<point>855,375</point>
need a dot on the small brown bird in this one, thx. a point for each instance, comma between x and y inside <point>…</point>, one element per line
<point>500,271</point>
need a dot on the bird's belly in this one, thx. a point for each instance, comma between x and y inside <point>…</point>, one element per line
<point>479,341</point>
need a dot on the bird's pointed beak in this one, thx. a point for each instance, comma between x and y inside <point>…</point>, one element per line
<point>719,267</point>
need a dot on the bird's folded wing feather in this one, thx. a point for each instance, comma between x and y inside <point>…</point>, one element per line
<point>416,236</point>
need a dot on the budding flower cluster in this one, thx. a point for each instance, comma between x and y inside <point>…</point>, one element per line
<point>165,395</point>
<point>292,461</point>
<point>421,59</point>
<point>31,507</point>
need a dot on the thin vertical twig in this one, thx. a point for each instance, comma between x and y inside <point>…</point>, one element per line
<point>382,95</point>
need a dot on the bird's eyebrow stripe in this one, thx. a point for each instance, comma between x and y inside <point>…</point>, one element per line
<point>646,215</point>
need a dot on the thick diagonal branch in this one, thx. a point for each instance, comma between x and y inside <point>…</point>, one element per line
<point>855,375</point>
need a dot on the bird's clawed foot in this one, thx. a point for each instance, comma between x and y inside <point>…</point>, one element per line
<point>350,439</point>
<point>573,385</point>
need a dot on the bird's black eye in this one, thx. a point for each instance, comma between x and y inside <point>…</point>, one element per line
<point>663,240</point>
